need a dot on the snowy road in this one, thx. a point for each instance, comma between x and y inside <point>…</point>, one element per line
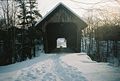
<point>53,69</point>
<point>60,67</point>
<point>67,73</point>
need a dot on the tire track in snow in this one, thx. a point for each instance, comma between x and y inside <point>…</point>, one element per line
<point>65,72</point>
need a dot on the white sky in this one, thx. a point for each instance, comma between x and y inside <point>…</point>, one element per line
<point>79,8</point>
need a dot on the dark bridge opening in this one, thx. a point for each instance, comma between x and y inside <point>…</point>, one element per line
<point>66,30</point>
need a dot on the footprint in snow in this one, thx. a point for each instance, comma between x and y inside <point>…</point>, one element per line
<point>49,77</point>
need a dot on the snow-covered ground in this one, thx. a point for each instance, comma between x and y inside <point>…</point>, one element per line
<point>60,67</point>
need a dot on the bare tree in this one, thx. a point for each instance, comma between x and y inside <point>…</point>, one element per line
<point>9,11</point>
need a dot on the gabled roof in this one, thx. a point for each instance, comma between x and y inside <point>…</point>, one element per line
<point>54,10</point>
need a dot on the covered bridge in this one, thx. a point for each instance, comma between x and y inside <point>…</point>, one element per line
<point>61,22</point>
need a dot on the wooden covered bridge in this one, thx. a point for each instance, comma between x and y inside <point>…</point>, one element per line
<point>61,22</point>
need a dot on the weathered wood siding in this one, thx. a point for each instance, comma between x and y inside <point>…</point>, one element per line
<point>61,14</point>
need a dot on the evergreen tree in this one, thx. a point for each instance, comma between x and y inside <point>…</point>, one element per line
<point>28,13</point>
<point>22,13</point>
<point>32,13</point>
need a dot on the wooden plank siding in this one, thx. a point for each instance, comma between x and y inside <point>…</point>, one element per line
<point>61,14</point>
